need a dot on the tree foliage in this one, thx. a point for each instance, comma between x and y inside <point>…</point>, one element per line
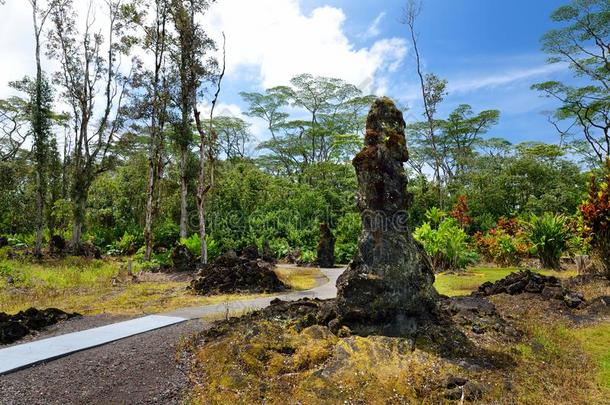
<point>582,41</point>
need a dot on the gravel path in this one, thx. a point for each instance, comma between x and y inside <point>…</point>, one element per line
<point>137,370</point>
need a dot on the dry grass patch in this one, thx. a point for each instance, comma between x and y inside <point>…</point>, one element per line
<point>300,278</point>
<point>85,286</point>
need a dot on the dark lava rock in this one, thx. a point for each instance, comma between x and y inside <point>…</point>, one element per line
<point>182,259</point>
<point>58,244</point>
<point>12,331</point>
<point>478,314</point>
<point>15,327</point>
<point>599,305</point>
<point>230,273</point>
<point>293,256</point>
<point>326,247</point>
<point>268,254</point>
<point>87,250</point>
<point>553,292</point>
<point>573,299</point>
<point>530,282</point>
<point>390,281</point>
<point>453,381</point>
<point>249,252</point>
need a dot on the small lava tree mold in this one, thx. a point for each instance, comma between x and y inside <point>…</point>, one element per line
<point>326,247</point>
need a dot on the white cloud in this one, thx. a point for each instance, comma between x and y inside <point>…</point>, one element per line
<point>16,43</point>
<point>276,39</point>
<point>268,43</point>
<point>502,78</point>
<point>373,30</point>
<point>258,127</point>
<point>17,39</point>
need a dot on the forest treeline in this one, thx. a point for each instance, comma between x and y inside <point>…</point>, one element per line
<point>115,149</point>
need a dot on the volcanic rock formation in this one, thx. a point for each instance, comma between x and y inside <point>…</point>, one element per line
<point>230,273</point>
<point>390,281</point>
<point>326,247</point>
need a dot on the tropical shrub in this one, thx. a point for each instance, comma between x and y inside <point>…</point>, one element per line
<point>498,247</point>
<point>279,247</point>
<point>460,212</point>
<point>549,235</point>
<point>157,260</point>
<point>347,232</point>
<point>128,244</point>
<point>308,256</point>
<point>595,215</point>
<point>344,252</point>
<point>193,244</point>
<point>166,235</point>
<point>504,245</point>
<point>445,243</point>
<point>435,216</point>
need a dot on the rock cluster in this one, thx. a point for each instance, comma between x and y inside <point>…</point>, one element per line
<point>59,246</point>
<point>390,281</point>
<point>530,282</point>
<point>477,314</point>
<point>230,273</point>
<point>183,260</point>
<point>326,247</point>
<point>15,327</point>
<point>87,250</point>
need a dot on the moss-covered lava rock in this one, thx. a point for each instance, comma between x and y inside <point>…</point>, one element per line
<point>390,281</point>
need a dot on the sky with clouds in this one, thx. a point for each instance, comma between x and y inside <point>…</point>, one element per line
<point>488,50</point>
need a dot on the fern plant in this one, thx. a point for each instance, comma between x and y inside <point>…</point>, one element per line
<point>549,235</point>
<point>447,245</point>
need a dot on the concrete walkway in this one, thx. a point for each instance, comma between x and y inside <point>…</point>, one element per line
<point>21,356</point>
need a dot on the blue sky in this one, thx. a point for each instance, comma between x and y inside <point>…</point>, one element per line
<point>488,50</point>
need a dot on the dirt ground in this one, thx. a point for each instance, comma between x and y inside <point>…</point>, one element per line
<point>141,369</point>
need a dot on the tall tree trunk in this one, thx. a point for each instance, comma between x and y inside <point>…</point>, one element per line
<point>79,196</point>
<point>201,195</point>
<point>38,127</point>
<point>183,193</point>
<point>148,220</point>
<point>411,14</point>
<point>156,130</point>
<point>202,188</point>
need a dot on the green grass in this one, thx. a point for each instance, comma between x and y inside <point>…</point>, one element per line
<point>466,282</point>
<point>596,342</point>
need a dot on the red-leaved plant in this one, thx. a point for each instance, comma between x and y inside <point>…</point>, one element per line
<point>595,212</point>
<point>460,212</point>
